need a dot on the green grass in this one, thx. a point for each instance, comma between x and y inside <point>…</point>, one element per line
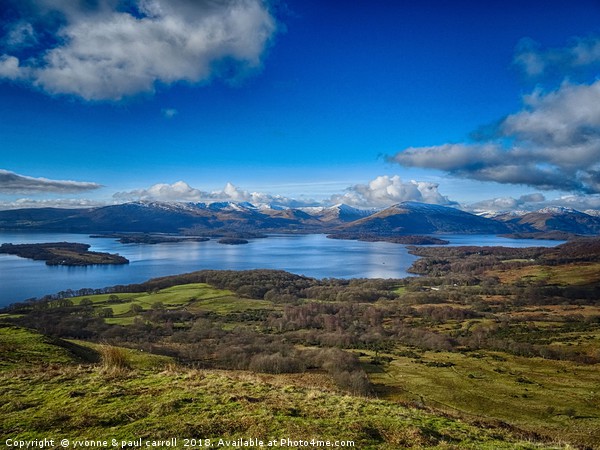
<point>230,304</point>
<point>137,359</point>
<point>56,395</point>
<point>80,402</point>
<point>101,299</point>
<point>555,398</point>
<point>197,296</point>
<point>21,348</point>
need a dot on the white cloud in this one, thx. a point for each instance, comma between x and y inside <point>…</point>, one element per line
<point>179,191</point>
<point>9,68</point>
<point>385,191</point>
<point>534,202</point>
<point>183,192</point>
<point>380,192</point>
<point>552,143</point>
<point>525,202</point>
<point>566,119</point>
<point>13,183</point>
<point>578,202</point>
<point>105,52</point>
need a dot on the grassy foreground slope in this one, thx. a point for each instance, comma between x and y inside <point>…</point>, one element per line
<point>557,399</point>
<point>144,396</point>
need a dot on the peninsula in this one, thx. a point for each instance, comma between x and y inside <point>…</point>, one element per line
<point>62,254</point>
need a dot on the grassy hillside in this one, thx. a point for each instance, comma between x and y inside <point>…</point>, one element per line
<point>546,397</point>
<point>152,398</point>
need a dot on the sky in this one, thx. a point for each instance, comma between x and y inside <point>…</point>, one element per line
<point>479,105</point>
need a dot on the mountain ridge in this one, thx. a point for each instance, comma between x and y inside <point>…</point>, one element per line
<point>196,218</point>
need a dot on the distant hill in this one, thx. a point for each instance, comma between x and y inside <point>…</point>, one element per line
<point>340,213</point>
<point>552,219</point>
<point>149,217</point>
<point>421,218</point>
<point>231,217</point>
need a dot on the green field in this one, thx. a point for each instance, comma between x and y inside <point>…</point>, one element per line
<point>555,398</point>
<point>152,398</point>
<point>21,348</point>
<point>194,297</point>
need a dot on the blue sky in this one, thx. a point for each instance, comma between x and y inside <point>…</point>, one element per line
<point>369,103</point>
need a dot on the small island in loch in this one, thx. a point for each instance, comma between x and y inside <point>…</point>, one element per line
<point>397,239</point>
<point>232,241</point>
<point>62,254</point>
<point>146,238</point>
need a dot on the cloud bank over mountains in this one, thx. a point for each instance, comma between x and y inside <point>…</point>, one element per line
<point>381,192</point>
<point>385,191</point>
<point>110,49</point>
<point>13,183</point>
<point>183,192</point>
<point>552,143</point>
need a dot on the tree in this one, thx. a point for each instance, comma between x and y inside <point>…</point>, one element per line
<point>105,312</point>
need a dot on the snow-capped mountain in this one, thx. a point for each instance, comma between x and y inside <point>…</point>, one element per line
<point>340,212</point>
<point>422,218</point>
<point>402,218</point>
<point>553,218</point>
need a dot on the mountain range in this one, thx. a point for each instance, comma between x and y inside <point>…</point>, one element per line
<point>201,218</point>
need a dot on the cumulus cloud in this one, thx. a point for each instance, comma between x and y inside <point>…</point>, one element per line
<point>524,202</point>
<point>533,202</point>
<point>181,191</point>
<point>578,202</point>
<point>492,162</point>
<point>110,49</point>
<point>381,192</point>
<point>13,183</point>
<point>9,68</point>
<point>385,191</point>
<point>552,143</point>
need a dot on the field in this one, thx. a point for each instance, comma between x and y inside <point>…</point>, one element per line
<point>152,398</point>
<point>546,397</point>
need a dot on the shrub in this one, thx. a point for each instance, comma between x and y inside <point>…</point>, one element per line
<point>275,363</point>
<point>114,359</point>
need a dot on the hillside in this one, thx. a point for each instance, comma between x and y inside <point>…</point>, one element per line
<point>420,218</point>
<point>227,218</point>
<point>553,219</point>
<point>151,398</point>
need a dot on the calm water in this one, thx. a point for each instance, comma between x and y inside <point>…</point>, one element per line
<point>310,255</point>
